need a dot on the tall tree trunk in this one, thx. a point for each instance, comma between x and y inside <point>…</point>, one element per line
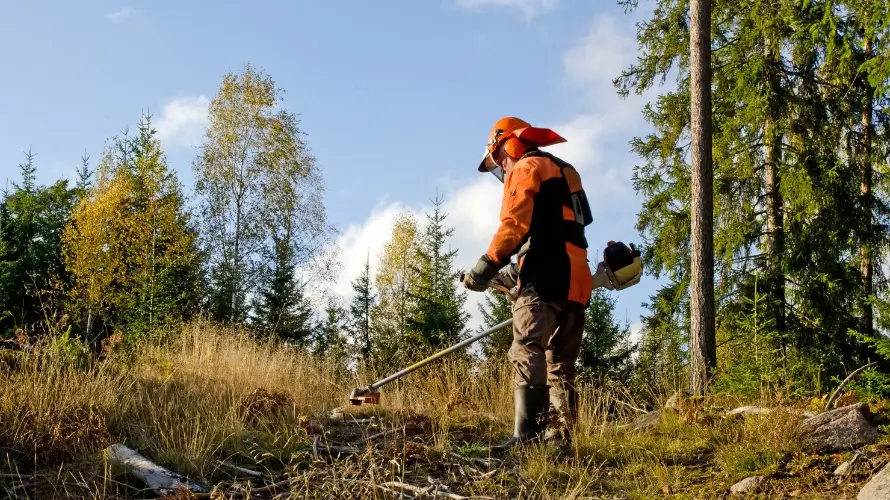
<point>865,176</point>
<point>703,349</point>
<point>236,262</point>
<point>774,208</point>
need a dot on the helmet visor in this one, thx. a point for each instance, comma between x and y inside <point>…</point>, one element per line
<point>488,165</point>
<point>498,172</point>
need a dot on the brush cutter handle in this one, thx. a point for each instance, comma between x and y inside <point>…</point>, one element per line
<point>494,286</point>
<point>439,354</point>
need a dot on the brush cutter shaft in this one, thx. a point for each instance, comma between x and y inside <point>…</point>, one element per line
<point>439,354</point>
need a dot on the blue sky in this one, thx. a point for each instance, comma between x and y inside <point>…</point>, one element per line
<point>396,98</point>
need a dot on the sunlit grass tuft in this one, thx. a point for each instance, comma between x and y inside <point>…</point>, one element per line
<point>206,394</point>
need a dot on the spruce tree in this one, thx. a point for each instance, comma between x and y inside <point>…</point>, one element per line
<point>130,245</point>
<point>33,278</point>
<point>329,338</point>
<point>360,327</point>
<point>495,309</point>
<point>785,191</point>
<point>282,310</point>
<point>84,175</point>
<point>605,348</point>
<point>393,340</point>
<point>438,318</point>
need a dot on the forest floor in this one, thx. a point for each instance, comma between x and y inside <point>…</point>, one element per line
<point>206,403</point>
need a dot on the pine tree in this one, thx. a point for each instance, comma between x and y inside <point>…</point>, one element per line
<point>6,300</point>
<point>170,262</point>
<point>704,343</point>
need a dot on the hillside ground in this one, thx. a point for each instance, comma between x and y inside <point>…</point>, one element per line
<point>203,401</point>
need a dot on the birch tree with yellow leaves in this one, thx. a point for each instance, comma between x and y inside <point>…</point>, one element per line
<point>261,198</point>
<point>129,244</point>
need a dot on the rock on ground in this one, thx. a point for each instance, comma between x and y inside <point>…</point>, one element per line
<point>840,429</point>
<point>650,419</point>
<point>847,467</point>
<point>749,410</point>
<point>746,485</point>
<point>673,402</point>
<point>878,488</point>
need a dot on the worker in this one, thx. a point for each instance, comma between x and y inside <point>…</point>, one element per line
<point>543,214</point>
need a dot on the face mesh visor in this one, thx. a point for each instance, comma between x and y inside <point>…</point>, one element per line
<point>493,167</point>
<point>499,173</point>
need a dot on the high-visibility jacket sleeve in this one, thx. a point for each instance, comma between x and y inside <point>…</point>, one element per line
<point>520,187</point>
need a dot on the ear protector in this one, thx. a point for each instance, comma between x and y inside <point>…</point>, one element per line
<point>514,147</point>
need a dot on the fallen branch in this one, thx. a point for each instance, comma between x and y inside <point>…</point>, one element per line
<point>837,391</point>
<point>485,462</point>
<point>16,476</point>
<point>380,435</point>
<point>632,407</point>
<point>340,449</point>
<point>10,494</point>
<point>379,487</point>
<point>155,477</point>
<point>239,469</point>
<point>361,421</point>
<point>430,490</point>
<point>240,494</point>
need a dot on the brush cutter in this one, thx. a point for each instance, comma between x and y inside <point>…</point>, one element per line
<point>621,268</point>
<point>370,395</point>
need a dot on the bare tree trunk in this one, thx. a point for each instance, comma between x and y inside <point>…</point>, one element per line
<point>774,204</point>
<point>703,349</point>
<point>151,276</point>
<point>865,175</point>
<point>236,263</point>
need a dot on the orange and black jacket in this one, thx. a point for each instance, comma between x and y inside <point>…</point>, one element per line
<point>543,215</point>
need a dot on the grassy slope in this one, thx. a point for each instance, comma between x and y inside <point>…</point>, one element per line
<point>206,396</point>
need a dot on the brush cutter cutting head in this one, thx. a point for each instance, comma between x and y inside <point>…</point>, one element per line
<point>364,395</point>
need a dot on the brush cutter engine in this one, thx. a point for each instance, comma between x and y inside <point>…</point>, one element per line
<point>623,265</point>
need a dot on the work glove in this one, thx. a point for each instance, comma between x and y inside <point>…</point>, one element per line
<point>477,278</point>
<point>601,277</point>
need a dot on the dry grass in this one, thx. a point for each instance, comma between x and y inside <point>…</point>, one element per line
<point>205,395</point>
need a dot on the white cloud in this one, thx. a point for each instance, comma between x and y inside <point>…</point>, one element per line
<point>462,205</point>
<point>528,8</point>
<point>183,121</point>
<point>120,16</point>
<point>597,145</point>
<point>601,57</point>
<point>636,332</point>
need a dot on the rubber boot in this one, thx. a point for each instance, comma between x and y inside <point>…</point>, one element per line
<point>529,421</point>
<point>564,399</point>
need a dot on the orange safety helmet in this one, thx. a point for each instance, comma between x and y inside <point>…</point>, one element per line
<point>512,132</point>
